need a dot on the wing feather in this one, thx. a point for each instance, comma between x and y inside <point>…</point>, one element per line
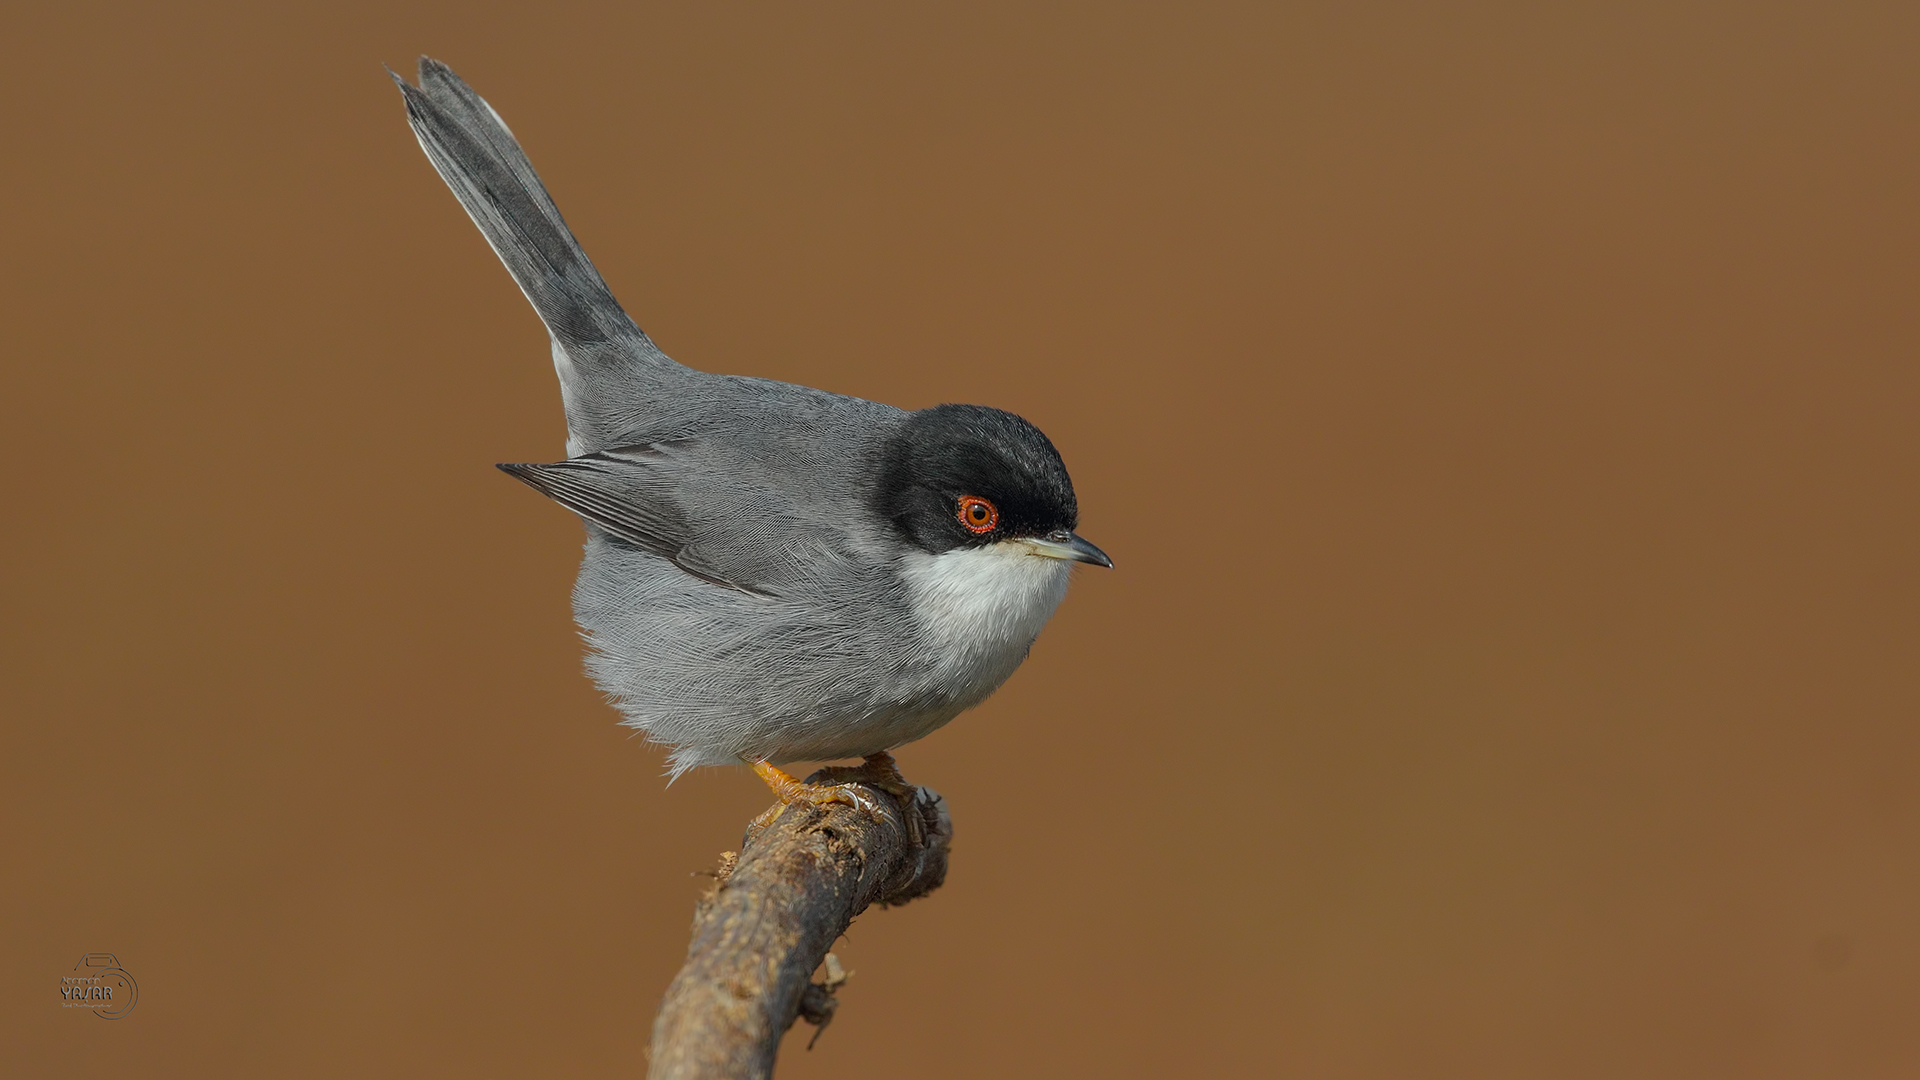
<point>633,493</point>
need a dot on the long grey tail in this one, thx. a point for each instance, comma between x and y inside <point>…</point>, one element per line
<point>481,161</point>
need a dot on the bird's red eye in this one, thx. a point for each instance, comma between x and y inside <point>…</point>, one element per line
<point>977,514</point>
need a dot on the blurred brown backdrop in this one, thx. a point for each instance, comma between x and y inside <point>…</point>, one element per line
<point>1502,419</point>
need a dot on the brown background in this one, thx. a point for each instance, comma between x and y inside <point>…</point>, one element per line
<point>1502,420</point>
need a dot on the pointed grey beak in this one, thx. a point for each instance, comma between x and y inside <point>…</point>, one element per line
<point>1071,547</point>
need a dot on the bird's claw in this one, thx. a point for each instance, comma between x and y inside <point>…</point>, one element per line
<point>845,794</point>
<point>792,790</point>
<point>880,771</point>
<point>854,790</point>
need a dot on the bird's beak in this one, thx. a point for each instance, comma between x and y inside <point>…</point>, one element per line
<point>1068,546</point>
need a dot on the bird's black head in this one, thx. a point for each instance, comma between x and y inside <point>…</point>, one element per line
<point>967,476</point>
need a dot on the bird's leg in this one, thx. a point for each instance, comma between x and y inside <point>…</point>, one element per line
<point>878,770</point>
<point>882,772</point>
<point>792,790</point>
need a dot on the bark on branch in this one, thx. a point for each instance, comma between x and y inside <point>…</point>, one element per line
<point>777,908</point>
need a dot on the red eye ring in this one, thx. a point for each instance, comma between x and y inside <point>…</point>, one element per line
<point>977,515</point>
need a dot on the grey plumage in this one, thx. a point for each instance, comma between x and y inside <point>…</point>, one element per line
<point>612,377</point>
<point>744,591</point>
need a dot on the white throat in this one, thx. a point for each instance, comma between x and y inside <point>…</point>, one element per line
<point>979,609</point>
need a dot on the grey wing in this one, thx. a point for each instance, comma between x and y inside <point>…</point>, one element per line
<point>741,536</point>
<point>610,369</point>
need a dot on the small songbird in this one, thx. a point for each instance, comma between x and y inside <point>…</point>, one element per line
<point>773,573</point>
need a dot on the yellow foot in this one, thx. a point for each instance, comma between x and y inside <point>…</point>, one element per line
<point>792,790</point>
<point>879,771</point>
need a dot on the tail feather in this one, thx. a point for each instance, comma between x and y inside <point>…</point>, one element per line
<point>480,160</point>
<point>478,157</point>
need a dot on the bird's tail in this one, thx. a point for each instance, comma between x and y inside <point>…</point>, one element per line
<point>481,161</point>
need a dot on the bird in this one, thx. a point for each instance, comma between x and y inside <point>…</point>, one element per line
<point>772,573</point>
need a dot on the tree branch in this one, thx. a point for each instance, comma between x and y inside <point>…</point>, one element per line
<point>776,910</point>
